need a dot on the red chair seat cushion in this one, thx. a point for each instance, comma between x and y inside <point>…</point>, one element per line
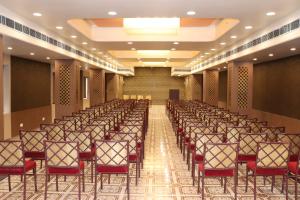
<point>192,146</point>
<point>179,130</point>
<point>246,158</point>
<point>265,171</point>
<point>86,155</point>
<point>293,167</point>
<point>36,155</point>
<point>198,158</point>
<point>216,172</point>
<point>133,157</point>
<point>29,165</point>
<point>112,169</point>
<point>66,170</point>
<point>294,157</point>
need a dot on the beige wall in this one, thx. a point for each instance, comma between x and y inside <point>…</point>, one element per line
<point>154,81</point>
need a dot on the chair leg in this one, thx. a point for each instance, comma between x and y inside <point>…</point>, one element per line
<point>136,173</point>
<point>203,186</point>
<point>79,187</point>
<point>24,190</point>
<point>101,183</point>
<point>282,184</point>
<point>83,184</point>
<point>286,186</point>
<point>193,171</point>
<point>254,186</point>
<point>247,171</point>
<point>108,178</point>
<point>95,191</point>
<point>92,170</point>
<point>128,186</point>
<point>34,177</point>
<point>235,185</point>
<point>272,185</point>
<point>198,181</point>
<point>296,188</point>
<point>9,184</point>
<point>225,182</point>
<point>46,186</point>
<point>56,180</point>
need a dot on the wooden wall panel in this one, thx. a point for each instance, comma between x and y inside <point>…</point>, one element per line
<point>154,81</point>
<point>211,87</point>
<point>97,86</point>
<point>277,87</point>
<point>193,87</point>
<point>1,89</point>
<point>223,86</point>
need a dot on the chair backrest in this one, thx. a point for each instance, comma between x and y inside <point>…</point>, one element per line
<point>233,133</point>
<point>220,155</point>
<point>255,126</point>
<point>272,132</point>
<point>201,139</point>
<point>84,117</point>
<point>11,154</point>
<point>70,124</point>
<point>55,131</point>
<point>83,138</point>
<point>33,140</point>
<point>193,130</point>
<point>112,153</point>
<point>293,139</point>
<point>61,154</point>
<point>138,129</point>
<point>222,126</point>
<point>248,143</point>
<point>272,155</point>
<point>77,121</point>
<point>130,137</point>
<point>98,132</point>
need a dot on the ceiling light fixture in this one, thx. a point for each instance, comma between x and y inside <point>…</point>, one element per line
<point>293,49</point>
<point>37,14</point>
<point>48,58</point>
<point>190,12</point>
<point>175,43</point>
<point>73,36</point>
<point>173,49</point>
<point>233,37</point>
<point>130,43</point>
<point>32,54</point>
<point>100,52</point>
<point>248,27</point>
<point>206,53</point>
<point>224,67</point>
<point>223,43</point>
<point>84,43</point>
<point>94,49</point>
<point>271,55</point>
<point>270,13</point>
<point>112,13</point>
<point>133,49</point>
<point>59,27</point>
<point>213,49</point>
<point>255,59</point>
<point>9,48</point>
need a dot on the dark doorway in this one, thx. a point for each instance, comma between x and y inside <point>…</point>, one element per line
<point>174,94</point>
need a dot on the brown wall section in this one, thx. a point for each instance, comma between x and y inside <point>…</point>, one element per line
<point>193,87</point>
<point>114,86</point>
<point>276,87</point>
<point>154,81</point>
<point>1,89</point>
<point>97,86</point>
<point>223,86</point>
<point>30,84</point>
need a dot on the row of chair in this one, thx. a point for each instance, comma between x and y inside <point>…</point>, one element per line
<point>109,136</point>
<point>218,139</point>
<point>138,97</point>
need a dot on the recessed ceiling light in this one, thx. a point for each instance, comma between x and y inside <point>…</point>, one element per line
<point>175,43</point>
<point>271,55</point>
<point>270,13</point>
<point>173,49</point>
<point>9,48</point>
<point>59,27</point>
<point>233,37</point>
<point>130,43</point>
<point>37,14</point>
<point>133,49</point>
<point>73,36</point>
<point>100,52</point>
<point>255,59</point>
<point>191,12</point>
<point>32,54</point>
<point>207,53</point>
<point>112,13</point>
<point>84,43</point>
<point>213,49</point>
<point>248,27</point>
<point>93,49</point>
<point>48,58</point>
<point>219,68</point>
<point>201,56</point>
<point>293,49</point>
<point>224,67</point>
<point>223,43</point>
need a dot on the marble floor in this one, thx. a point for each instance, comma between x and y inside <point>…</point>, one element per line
<point>165,176</point>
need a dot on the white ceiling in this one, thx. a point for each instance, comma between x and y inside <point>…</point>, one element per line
<point>58,12</point>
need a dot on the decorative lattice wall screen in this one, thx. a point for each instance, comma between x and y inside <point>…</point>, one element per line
<point>64,84</point>
<point>242,91</point>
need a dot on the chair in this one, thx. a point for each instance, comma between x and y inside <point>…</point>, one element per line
<point>272,132</point>
<point>98,132</point>
<point>219,160</point>
<point>70,124</point>
<point>112,157</point>
<point>294,140</point>
<point>34,144</point>
<point>233,133</point>
<point>55,131</point>
<point>294,172</point>
<point>248,146</point>
<point>256,126</point>
<point>62,158</point>
<point>199,141</point>
<point>125,97</point>
<point>140,97</point>
<point>272,160</point>
<point>134,151</point>
<point>12,162</point>
<point>86,151</point>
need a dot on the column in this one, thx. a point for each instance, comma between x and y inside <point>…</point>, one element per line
<point>239,91</point>
<point>114,86</point>
<point>97,86</point>
<point>211,87</point>
<point>67,87</point>
<point>1,89</point>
